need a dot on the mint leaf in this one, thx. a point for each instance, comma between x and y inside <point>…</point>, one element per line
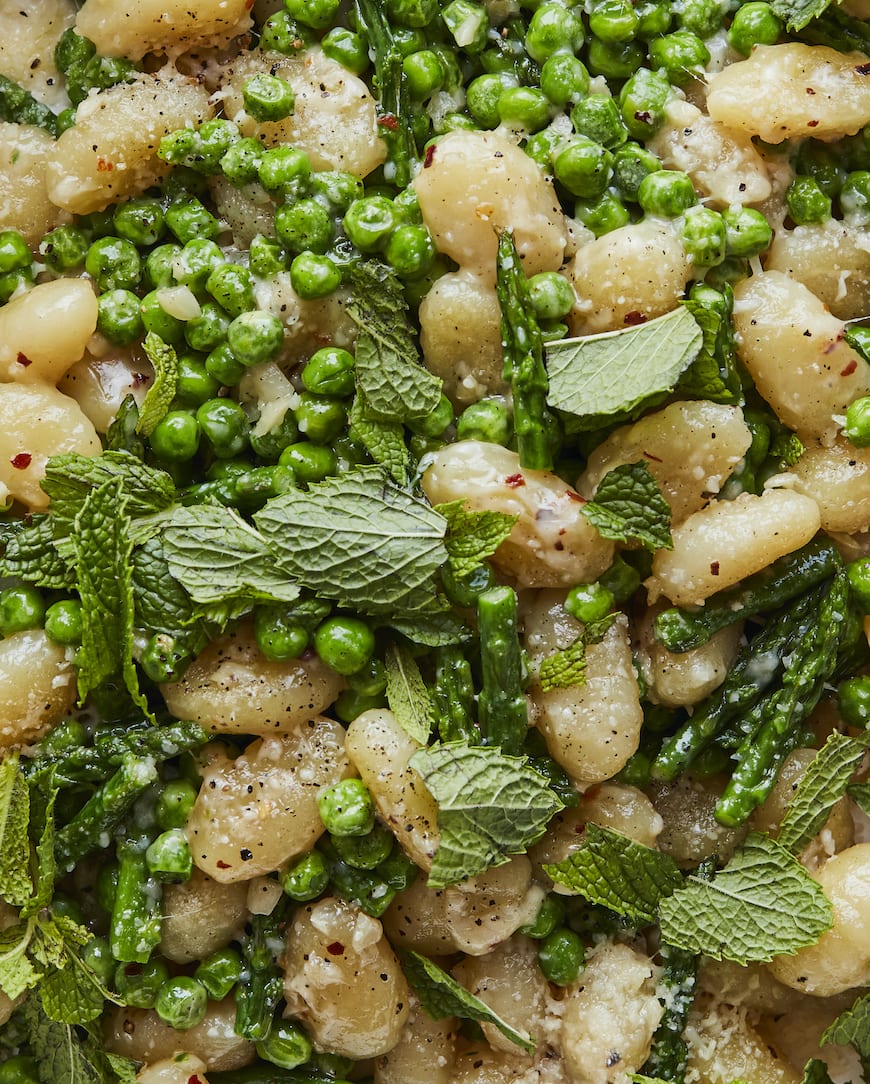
<point>30,553</point>
<point>15,883</point>
<point>161,393</point>
<point>472,536</point>
<point>215,555</point>
<point>70,478</point>
<point>432,626</point>
<point>618,371</point>
<point>822,785</point>
<point>383,440</point>
<point>71,993</point>
<point>17,972</point>
<point>628,506</point>
<point>713,374</point>
<point>816,1072</point>
<point>388,370</point>
<point>160,603</point>
<point>860,795</point>
<point>103,551</point>
<point>121,436</point>
<point>360,540</point>
<point>442,996</point>
<point>852,1028</point>
<point>618,873</point>
<point>407,694</point>
<point>490,806</point>
<point>762,904</point>
<point>796,14</point>
<point>564,669</point>
<point>44,791</point>
<point>61,1056</point>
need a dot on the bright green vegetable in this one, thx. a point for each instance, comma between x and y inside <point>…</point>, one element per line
<point>347,808</point>
<point>502,710</point>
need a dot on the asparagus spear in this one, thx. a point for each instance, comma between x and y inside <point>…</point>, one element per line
<point>134,931</point>
<point>453,696</point>
<point>792,575</point>
<point>258,995</point>
<point>523,359</point>
<point>669,1054</point>
<point>20,107</point>
<point>502,710</point>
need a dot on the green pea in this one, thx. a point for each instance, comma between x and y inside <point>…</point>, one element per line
<point>371,680</point>
<point>544,145</point>
<point>336,189</point>
<point>16,282</point>
<point>588,602</point>
<point>614,20</point>
<point>320,418</point>
<point>241,162</point>
<point>313,276</point>
<point>347,48</point>
<point>857,428</point>
<point>306,878</point>
<point>553,28</point>
<point>97,955</point>
<point>483,95</point>
<point>524,107</point>
<point>701,17</point>
<point>223,367</point>
<point>329,371</point>
<point>466,590</point>
<point>551,294</point>
<point>159,263</point>
<point>614,59</point>
<point>347,809</point>
<point>561,956</point>
<point>704,236</point>
<point>268,98</point>
<point>682,56</point>
<point>255,337</point>
<point>162,658</point>
<point>195,262</point>
<point>14,251</point>
<point>369,222</point>
<point>621,580</point>
<point>807,203</point>
<point>631,163</point>
<point>140,221</point>
<point>114,264</point>
<point>208,330</point>
<point>654,18</point>
<point>64,248</point>
<point>667,192</point>
<point>225,426</point>
<point>747,231</point>
<point>345,644</point>
<point>219,972</point>
<point>168,857</point>
<point>271,444</point>
<point>156,319</point>
<point>232,287</point>
<point>190,219</point>
<point>468,22</point>
<point>583,167</point>
<point>599,118</point>
<point>854,702</point>
<point>642,102</point>
<point>408,39</point>
<point>181,1002</point>
<point>855,198</point>
<point>858,572</point>
<point>600,215</point>
<point>20,1069</point>
<point>435,422</point>
<point>365,852</point>
<point>175,438</point>
<point>266,257</point>
<point>278,635</point>
<point>309,462</point>
<point>256,486</point>
<point>488,420</point>
<point>551,914</point>
<point>317,14</point>
<point>175,802</point>
<point>818,160</point>
<point>564,78</point>
<point>285,170</point>
<point>63,622</point>
<point>20,608</point>
<point>411,13</point>
<point>118,317</point>
<point>286,1046</point>
<point>424,73</point>
<point>754,24</point>
<point>306,224</point>
<point>410,251</point>
<point>281,33</point>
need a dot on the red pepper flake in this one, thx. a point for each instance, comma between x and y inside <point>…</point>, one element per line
<point>654,458</point>
<point>810,90</point>
<point>643,116</point>
<point>812,124</point>
<point>862,69</point>
<point>829,347</point>
<point>429,156</point>
<point>714,568</point>
<point>223,865</point>
<point>573,495</point>
<point>104,165</point>
<point>23,360</point>
<point>633,318</point>
<point>850,368</point>
<point>515,481</point>
<point>196,1078</point>
<point>335,949</point>
<point>388,120</point>
<point>21,461</point>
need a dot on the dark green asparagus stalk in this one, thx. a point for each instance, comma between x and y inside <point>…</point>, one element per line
<point>523,364</point>
<point>261,988</point>
<point>813,658</point>
<point>453,697</point>
<point>839,31</point>
<point>395,120</point>
<point>773,587</point>
<point>757,668</point>
<point>134,931</point>
<point>104,811</point>
<point>269,1074</point>
<point>20,107</point>
<point>77,58</point>
<point>501,707</point>
<point>669,1054</point>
